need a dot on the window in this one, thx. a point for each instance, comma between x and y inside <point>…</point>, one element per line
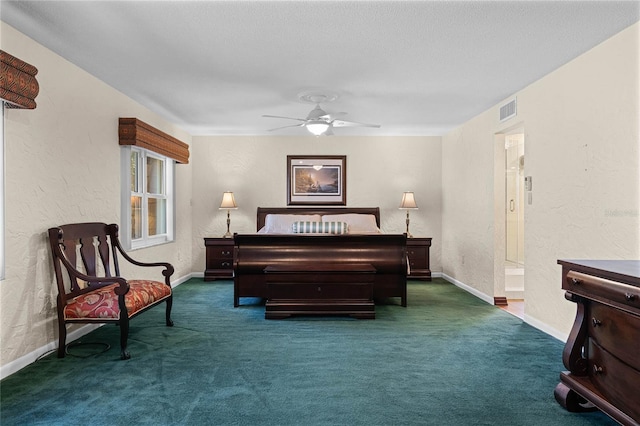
<point>148,202</point>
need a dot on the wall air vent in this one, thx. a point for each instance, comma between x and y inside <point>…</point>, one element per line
<point>508,110</point>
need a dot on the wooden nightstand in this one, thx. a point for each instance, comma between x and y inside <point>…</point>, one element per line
<point>219,259</point>
<point>418,254</point>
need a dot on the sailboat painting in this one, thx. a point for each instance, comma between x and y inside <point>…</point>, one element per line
<point>316,180</point>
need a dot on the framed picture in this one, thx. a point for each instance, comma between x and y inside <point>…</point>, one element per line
<point>316,179</point>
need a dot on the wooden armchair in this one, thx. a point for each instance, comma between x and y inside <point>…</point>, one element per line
<point>92,294</point>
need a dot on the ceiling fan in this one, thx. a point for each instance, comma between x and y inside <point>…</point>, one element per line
<point>318,121</point>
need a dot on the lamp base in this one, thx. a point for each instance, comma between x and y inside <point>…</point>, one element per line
<point>408,233</point>
<point>228,234</point>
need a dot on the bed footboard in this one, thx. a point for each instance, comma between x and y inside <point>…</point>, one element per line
<point>387,253</point>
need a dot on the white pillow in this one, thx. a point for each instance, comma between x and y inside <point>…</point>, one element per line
<point>304,227</point>
<point>358,223</point>
<point>281,223</point>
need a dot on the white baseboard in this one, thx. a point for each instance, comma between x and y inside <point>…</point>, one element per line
<point>18,364</point>
<point>527,319</point>
<point>183,279</point>
<point>478,294</point>
<point>545,328</point>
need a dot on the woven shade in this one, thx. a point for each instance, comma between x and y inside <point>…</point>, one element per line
<point>132,131</point>
<point>18,84</point>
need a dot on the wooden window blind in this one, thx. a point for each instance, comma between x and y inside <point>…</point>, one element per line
<point>18,84</point>
<point>132,131</point>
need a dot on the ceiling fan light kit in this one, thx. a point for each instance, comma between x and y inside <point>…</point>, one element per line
<point>317,127</point>
<point>318,121</point>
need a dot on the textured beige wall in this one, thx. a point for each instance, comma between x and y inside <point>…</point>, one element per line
<point>379,170</point>
<point>582,149</point>
<point>63,166</point>
<point>468,204</point>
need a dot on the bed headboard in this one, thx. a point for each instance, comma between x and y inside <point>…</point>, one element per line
<point>264,211</point>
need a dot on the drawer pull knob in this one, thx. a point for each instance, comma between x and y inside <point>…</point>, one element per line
<point>630,296</point>
<point>596,322</point>
<point>597,369</point>
<point>319,288</point>
<point>576,281</point>
<point>226,264</point>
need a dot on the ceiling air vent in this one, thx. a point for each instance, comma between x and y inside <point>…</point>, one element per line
<point>508,110</point>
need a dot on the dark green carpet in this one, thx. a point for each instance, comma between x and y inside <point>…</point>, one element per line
<point>446,359</point>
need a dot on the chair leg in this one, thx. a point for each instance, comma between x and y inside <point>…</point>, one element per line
<point>124,336</point>
<point>62,341</point>
<point>168,314</point>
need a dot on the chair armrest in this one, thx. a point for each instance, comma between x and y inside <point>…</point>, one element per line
<point>123,286</point>
<point>168,271</point>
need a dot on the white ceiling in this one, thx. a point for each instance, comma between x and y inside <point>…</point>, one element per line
<point>414,67</point>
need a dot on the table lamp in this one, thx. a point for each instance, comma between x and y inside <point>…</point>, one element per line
<point>408,203</point>
<point>229,203</point>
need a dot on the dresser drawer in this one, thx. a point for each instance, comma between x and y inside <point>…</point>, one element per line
<point>616,380</point>
<point>617,332</point>
<point>622,295</point>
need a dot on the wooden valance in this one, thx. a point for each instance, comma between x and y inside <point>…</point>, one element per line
<point>132,131</point>
<point>18,84</point>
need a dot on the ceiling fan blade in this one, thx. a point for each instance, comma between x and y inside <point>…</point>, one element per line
<point>329,131</point>
<point>341,123</point>
<point>288,118</point>
<point>333,115</point>
<point>284,127</point>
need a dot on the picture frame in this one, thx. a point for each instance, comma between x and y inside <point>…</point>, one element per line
<point>316,180</point>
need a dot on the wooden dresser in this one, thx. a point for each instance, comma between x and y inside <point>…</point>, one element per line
<point>603,349</point>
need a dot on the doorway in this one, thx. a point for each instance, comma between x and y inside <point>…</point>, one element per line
<point>514,218</point>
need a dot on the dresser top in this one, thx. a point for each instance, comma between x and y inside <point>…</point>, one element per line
<point>625,271</point>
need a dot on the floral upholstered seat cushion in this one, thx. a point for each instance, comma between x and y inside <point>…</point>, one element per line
<point>103,302</point>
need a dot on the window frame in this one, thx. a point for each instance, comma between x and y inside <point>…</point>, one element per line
<point>146,240</point>
<point>2,195</point>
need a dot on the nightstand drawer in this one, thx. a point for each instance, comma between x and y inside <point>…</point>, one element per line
<point>221,253</point>
<point>417,257</point>
<point>220,264</point>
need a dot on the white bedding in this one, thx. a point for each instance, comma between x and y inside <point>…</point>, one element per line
<point>356,223</point>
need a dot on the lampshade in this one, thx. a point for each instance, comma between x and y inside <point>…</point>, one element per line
<point>228,202</point>
<point>317,127</point>
<point>408,201</point>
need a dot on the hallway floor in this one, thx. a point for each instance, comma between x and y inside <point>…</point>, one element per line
<point>515,307</point>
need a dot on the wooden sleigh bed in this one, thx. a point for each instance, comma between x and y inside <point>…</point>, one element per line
<point>328,268</point>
